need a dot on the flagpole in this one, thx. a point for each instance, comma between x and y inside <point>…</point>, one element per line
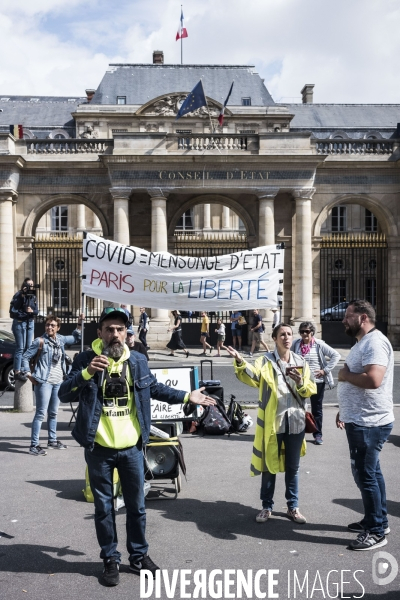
<point>209,114</point>
<point>181,40</point>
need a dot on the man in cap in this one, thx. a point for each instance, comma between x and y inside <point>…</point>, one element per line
<point>133,344</point>
<point>113,386</point>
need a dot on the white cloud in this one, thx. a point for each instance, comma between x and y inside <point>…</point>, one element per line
<point>349,50</point>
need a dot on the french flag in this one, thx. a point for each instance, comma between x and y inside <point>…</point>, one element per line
<point>182,31</point>
<point>222,111</point>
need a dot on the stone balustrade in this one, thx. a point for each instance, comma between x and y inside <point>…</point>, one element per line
<point>68,146</point>
<point>215,142</point>
<point>355,147</point>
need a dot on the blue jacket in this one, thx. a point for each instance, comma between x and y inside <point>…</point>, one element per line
<point>75,388</point>
<point>20,303</point>
<point>42,369</point>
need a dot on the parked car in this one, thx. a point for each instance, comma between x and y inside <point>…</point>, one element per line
<point>7,351</point>
<point>334,313</point>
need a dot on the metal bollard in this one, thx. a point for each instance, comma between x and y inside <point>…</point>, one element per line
<point>23,396</point>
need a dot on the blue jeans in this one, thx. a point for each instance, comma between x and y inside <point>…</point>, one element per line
<point>101,462</point>
<point>23,332</point>
<point>293,443</point>
<point>46,395</point>
<point>365,444</point>
<point>316,407</point>
<point>142,337</point>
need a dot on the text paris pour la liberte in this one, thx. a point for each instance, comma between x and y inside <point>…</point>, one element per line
<point>241,280</point>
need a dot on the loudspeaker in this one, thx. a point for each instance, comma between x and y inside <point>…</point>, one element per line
<point>162,461</point>
<point>170,428</point>
<point>162,455</point>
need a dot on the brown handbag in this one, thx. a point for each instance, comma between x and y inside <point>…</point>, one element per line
<point>311,425</point>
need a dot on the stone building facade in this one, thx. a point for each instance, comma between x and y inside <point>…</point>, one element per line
<point>322,178</point>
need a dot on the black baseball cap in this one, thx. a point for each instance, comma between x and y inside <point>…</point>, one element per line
<point>113,311</point>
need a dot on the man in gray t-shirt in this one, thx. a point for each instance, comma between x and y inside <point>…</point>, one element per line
<point>365,393</point>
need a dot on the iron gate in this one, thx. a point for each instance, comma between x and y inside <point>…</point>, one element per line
<point>57,264</point>
<point>352,266</point>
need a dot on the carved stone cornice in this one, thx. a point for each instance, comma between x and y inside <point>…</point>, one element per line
<point>169,105</point>
<point>158,193</point>
<point>7,194</point>
<point>303,194</point>
<point>119,193</point>
<point>267,193</point>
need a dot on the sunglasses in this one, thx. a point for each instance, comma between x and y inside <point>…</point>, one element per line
<point>305,331</point>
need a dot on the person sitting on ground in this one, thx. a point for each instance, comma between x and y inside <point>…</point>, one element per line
<point>258,332</point>
<point>133,344</point>
<point>284,381</point>
<point>113,386</point>
<point>205,325</point>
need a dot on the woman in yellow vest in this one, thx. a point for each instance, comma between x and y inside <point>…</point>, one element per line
<point>284,380</point>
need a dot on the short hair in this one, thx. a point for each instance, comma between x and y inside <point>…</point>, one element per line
<point>278,327</point>
<point>308,325</point>
<point>53,318</point>
<point>363,307</point>
<point>26,281</point>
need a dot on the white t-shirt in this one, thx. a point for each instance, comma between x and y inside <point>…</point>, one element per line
<point>368,408</point>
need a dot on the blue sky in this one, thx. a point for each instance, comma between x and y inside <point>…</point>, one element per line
<point>348,48</point>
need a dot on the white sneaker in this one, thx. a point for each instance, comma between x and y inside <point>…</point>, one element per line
<point>296,516</point>
<point>263,515</point>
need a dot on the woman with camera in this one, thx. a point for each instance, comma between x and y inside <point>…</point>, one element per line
<point>48,354</point>
<point>284,381</point>
<point>23,310</point>
<point>321,359</point>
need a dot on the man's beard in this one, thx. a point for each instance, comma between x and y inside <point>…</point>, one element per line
<point>353,330</point>
<point>115,350</point>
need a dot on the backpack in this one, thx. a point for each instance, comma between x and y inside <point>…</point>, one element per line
<point>214,420</point>
<point>34,361</point>
<point>235,414</point>
<point>13,310</point>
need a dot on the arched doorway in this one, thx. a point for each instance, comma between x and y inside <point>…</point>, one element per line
<point>209,229</point>
<point>57,262</point>
<point>353,264</point>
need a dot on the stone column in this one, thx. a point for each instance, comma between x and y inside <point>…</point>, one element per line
<point>225,218</point>
<point>302,276</point>
<point>7,260</point>
<point>80,217</point>
<point>207,217</point>
<point>96,222</point>
<point>121,214</point>
<point>158,336</point>
<point>266,237</point>
<point>266,217</point>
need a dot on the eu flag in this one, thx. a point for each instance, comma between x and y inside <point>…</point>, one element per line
<point>194,100</point>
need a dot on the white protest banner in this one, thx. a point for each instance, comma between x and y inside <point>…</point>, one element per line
<point>178,378</point>
<point>241,280</point>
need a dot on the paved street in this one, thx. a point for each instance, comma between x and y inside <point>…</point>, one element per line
<point>48,547</point>
<point>223,370</point>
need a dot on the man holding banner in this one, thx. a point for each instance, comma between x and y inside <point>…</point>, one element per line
<point>113,386</point>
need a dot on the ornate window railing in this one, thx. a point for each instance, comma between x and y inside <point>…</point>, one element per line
<point>353,147</point>
<point>68,146</point>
